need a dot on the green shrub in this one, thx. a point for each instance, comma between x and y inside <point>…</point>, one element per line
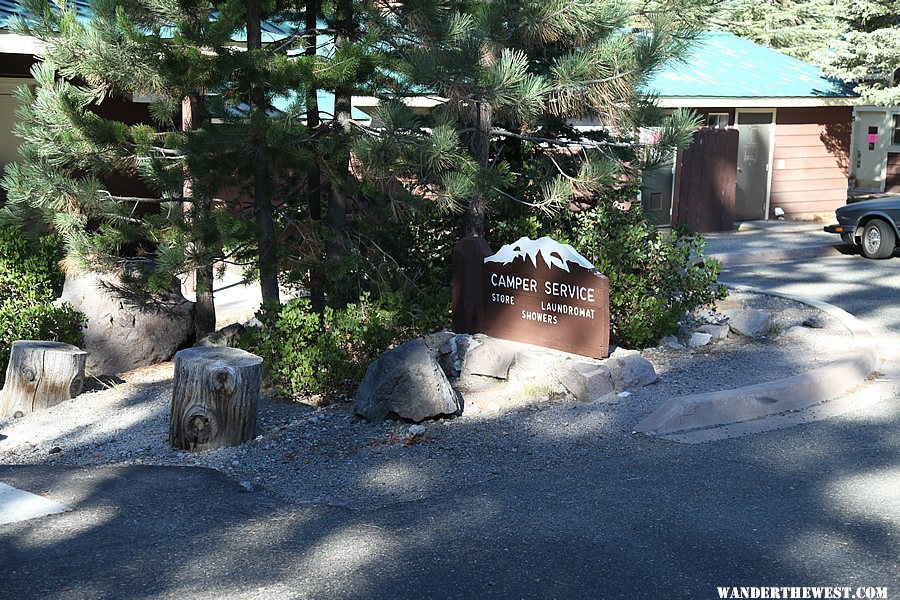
<point>307,353</point>
<point>654,276</point>
<point>29,279</point>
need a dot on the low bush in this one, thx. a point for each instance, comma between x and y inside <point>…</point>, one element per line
<point>307,353</point>
<point>29,280</point>
<point>654,276</point>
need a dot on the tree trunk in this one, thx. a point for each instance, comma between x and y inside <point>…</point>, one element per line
<point>314,177</point>
<point>267,241</point>
<point>205,307</point>
<point>337,206</point>
<point>473,223</point>
<point>41,375</point>
<point>215,398</point>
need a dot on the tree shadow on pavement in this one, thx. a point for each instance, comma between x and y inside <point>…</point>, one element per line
<point>572,516</point>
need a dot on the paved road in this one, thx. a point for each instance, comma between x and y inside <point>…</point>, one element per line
<point>814,505</point>
<point>868,289</point>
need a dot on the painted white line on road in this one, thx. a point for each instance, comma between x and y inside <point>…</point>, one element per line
<point>19,505</point>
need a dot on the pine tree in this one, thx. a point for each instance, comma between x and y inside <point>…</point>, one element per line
<point>182,54</point>
<point>869,52</point>
<point>510,78</point>
<point>798,28</point>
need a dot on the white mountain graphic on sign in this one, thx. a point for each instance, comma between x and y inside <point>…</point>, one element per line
<point>552,252</point>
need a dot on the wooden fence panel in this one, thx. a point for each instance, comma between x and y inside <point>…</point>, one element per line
<point>706,181</point>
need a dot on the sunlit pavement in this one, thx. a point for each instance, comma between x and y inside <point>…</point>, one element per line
<point>813,505</point>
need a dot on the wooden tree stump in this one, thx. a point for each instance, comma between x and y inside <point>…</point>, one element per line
<point>215,398</point>
<point>40,375</point>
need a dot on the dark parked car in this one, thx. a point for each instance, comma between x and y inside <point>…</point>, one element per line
<point>871,224</point>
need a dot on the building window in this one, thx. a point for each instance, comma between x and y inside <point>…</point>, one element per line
<point>895,136</point>
<point>717,120</point>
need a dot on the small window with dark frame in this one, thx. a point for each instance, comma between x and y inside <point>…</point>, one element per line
<point>717,120</point>
<point>895,135</point>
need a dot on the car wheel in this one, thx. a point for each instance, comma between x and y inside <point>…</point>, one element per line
<point>878,239</point>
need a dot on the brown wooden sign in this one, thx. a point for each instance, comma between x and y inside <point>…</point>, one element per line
<point>535,291</point>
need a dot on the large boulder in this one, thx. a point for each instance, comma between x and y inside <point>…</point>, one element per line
<point>119,335</point>
<point>408,382</point>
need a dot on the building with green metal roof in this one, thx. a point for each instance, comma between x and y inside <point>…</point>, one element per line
<point>794,125</point>
<point>794,129</point>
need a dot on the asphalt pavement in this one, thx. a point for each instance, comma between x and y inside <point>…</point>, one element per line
<point>756,242</point>
<point>813,505</point>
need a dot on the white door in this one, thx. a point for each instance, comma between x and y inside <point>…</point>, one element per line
<point>755,134</point>
<point>870,150</point>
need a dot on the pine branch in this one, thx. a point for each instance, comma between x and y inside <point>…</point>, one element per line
<point>143,200</point>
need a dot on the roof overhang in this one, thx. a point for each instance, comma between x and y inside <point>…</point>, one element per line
<point>370,103</point>
<point>13,43</point>
<point>754,102</point>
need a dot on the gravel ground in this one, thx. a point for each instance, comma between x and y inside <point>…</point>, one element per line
<point>305,453</point>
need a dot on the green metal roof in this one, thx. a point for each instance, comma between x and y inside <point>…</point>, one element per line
<point>722,65</point>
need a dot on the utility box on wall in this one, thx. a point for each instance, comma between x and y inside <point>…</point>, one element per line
<point>875,149</point>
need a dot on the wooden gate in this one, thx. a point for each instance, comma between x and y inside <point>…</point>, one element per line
<point>706,180</point>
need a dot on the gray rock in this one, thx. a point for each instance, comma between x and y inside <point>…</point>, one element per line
<point>532,365</point>
<point>699,339</point>
<point>452,353</point>
<point>748,322</point>
<point>620,352</point>
<point>417,430</point>
<point>630,371</point>
<point>814,322</point>
<point>671,342</point>
<point>718,332</point>
<point>227,336</point>
<point>490,357</point>
<point>437,341</point>
<point>585,380</point>
<point>408,382</point>
<point>120,336</point>
<point>706,316</point>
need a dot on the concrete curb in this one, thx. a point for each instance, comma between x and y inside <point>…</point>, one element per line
<point>725,407</point>
<point>749,258</point>
<point>776,226</point>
